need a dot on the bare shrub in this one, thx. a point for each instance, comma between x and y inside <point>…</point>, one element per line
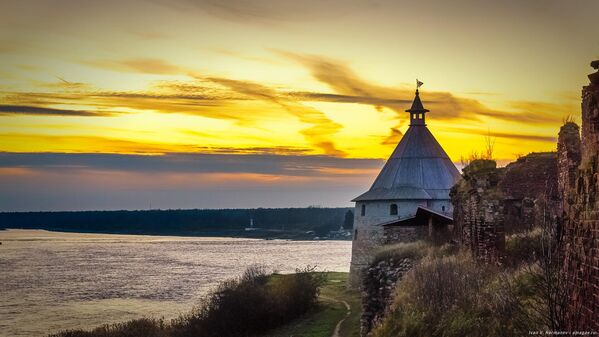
<point>524,247</point>
<point>489,145</point>
<point>139,327</point>
<point>486,153</point>
<point>249,305</point>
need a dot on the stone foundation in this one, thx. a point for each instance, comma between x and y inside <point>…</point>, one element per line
<point>378,288</point>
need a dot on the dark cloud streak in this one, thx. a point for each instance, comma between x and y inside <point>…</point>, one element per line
<point>35,110</point>
<point>264,163</point>
<point>506,135</point>
<point>338,98</point>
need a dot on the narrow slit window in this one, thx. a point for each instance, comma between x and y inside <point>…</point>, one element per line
<point>355,234</point>
<point>363,210</point>
<point>393,209</point>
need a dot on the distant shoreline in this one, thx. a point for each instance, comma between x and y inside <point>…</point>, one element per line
<point>256,234</point>
<point>310,223</point>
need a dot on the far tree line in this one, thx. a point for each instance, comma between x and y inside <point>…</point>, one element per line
<point>320,220</point>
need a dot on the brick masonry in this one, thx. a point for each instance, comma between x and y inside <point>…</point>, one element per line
<point>489,201</point>
<point>581,213</point>
<point>478,210</point>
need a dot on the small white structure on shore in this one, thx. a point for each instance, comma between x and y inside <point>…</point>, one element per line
<point>251,228</point>
<point>409,197</point>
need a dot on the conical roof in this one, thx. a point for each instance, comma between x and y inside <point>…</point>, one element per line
<point>417,104</point>
<point>418,169</point>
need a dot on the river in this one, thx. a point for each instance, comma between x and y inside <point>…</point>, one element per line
<point>51,281</point>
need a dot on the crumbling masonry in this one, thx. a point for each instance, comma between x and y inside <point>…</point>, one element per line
<point>490,201</point>
<point>579,184</point>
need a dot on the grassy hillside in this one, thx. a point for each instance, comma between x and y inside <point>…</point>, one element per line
<point>450,294</point>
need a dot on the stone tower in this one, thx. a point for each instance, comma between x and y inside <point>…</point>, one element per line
<point>410,194</point>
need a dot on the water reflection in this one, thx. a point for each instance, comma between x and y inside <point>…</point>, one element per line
<point>51,281</point>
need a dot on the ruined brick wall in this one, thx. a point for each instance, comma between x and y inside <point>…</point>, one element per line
<point>478,210</point>
<point>568,160</point>
<point>490,201</point>
<point>526,180</point>
<point>531,175</point>
<point>581,223</point>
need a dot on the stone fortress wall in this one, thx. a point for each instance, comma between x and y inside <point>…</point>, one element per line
<point>490,201</point>
<point>561,187</point>
<point>580,184</point>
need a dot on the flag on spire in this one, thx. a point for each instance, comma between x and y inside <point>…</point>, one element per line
<point>418,84</point>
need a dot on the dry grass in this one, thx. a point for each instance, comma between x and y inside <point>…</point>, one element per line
<point>398,251</point>
<point>247,306</point>
<point>456,296</point>
<point>524,247</point>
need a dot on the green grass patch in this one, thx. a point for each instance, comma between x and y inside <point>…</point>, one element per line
<point>322,321</point>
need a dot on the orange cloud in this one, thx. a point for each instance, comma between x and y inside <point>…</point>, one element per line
<point>139,65</point>
<point>16,171</point>
<point>322,129</point>
<point>248,104</point>
<point>351,88</point>
<point>22,142</point>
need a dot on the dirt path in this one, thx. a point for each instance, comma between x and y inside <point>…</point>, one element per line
<point>337,315</point>
<point>338,327</point>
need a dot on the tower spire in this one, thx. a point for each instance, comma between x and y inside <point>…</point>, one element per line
<point>417,111</point>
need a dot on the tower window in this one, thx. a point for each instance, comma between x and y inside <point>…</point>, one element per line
<point>393,209</point>
<point>363,210</point>
<point>443,208</point>
<point>355,234</point>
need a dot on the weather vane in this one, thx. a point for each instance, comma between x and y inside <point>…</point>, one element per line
<point>418,84</point>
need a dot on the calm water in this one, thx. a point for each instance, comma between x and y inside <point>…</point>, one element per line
<point>51,281</point>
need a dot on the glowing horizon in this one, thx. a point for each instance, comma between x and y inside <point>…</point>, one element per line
<point>310,79</point>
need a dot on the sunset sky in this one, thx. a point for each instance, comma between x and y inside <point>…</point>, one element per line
<point>217,104</point>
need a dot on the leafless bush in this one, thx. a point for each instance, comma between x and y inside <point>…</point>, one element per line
<point>486,153</point>
<point>246,306</point>
<point>550,282</point>
<point>489,145</point>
